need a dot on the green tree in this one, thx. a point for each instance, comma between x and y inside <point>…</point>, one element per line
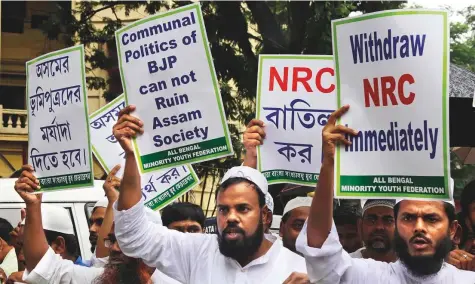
<point>237,33</point>
<point>462,53</point>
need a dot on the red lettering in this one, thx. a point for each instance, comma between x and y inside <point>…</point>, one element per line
<point>370,93</point>
<point>400,89</point>
<point>302,80</point>
<point>388,90</point>
<point>274,75</point>
<point>318,80</point>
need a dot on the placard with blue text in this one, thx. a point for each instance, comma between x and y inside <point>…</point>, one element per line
<point>296,95</point>
<point>159,187</point>
<point>168,74</point>
<point>392,69</point>
<point>58,127</point>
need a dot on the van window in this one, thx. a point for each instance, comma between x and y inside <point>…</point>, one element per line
<point>13,215</point>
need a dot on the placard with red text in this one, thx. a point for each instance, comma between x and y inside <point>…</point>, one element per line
<point>391,67</point>
<point>296,95</point>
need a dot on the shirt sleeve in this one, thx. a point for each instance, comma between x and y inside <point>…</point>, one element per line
<point>330,263</point>
<point>52,269</point>
<point>172,252</point>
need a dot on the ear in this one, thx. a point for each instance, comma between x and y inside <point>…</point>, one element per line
<point>265,213</point>
<point>60,245</point>
<point>453,229</point>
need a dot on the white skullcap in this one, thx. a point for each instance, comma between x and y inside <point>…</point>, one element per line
<point>451,191</point>
<point>296,203</point>
<point>249,174</point>
<point>102,203</point>
<point>370,203</point>
<point>153,216</point>
<point>269,202</point>
<point>55,218</point>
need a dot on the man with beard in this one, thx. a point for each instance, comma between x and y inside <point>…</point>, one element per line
<point>294,216</point>
<point>377,231</point>
<point>47,265</point>
<point>238,254</point>
<point>423,236</point>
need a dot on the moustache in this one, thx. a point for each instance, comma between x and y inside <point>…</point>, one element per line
<point>233,229</point>
<point>379,234</point>
<point>420,236</point>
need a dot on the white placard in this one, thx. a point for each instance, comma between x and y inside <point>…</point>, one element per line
<point>296,95</point>
<point>159,188</point>
<point>168,74</point>
<point>392,69</point>
<point>58,146</point>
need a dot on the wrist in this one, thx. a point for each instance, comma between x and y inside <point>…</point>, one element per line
<point>328,161</point>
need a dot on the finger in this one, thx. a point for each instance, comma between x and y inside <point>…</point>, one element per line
<point>255,122</point>
<point>288,280</point>
<point>28,182</point>
<point>256,129</point>
<point>115,183</point>
<point>344,129</point>
<point>253,136</point>
<point>131,118</point>
<point>337,114</point>
<point>253,143</point>
<point>114,170</point>
<point>23,187</point>
<point>128,109</point>
<point>23,213</point>
<point>129,124</point>
<point>29,175</point>
<point>455,262</point>
<point>340,138</point>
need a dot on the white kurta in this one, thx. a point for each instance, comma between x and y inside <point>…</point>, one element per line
<point>332,264</point>
<point>195,258</point>
<point>52,269</point>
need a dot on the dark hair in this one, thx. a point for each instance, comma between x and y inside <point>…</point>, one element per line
<point>182,211</point>
<point>72,245</point>
<point>5,229</point>
<point>449,210</point>
<point>237,180</point>
<point>467,197</point>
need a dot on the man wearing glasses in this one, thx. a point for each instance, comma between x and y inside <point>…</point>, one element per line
<point>377,231</point>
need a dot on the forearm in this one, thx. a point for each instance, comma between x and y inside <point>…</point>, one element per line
<point>130,191</point>
<point>101,250</point>
<point>321,212</point>
<point>250,161</point>
<point>34,240</point>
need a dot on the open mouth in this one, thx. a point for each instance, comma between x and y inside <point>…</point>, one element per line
<point>419,243</point>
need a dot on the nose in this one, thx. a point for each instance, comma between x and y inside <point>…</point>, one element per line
<point>379,224</point>
<point>93,228</point>
<point>232,217</point>
<point>420,226</point>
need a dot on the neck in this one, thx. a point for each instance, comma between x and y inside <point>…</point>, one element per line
<point>263,249</point>
<point>388,257</point>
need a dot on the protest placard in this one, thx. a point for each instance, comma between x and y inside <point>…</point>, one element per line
<point>168,74</point>
<point>295,97</point>
<point>392,69</point>
<point>159,187</point>
<point>58,127</point>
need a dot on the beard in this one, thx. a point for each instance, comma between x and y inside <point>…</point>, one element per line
<point>244,248</point>
<point>121,269</point>
<point>382,245</point>
<point>426,264</point>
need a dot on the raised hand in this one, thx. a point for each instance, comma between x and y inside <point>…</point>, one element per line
<point>127,128</point>
<point>333,134</point>
<point>112,184</point>
<point>27,184</point>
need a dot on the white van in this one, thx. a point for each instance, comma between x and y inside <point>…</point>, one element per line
<point>79,203</point>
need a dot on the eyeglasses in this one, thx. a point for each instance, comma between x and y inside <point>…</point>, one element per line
<point>110,241</point>
<point>371,220</point>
